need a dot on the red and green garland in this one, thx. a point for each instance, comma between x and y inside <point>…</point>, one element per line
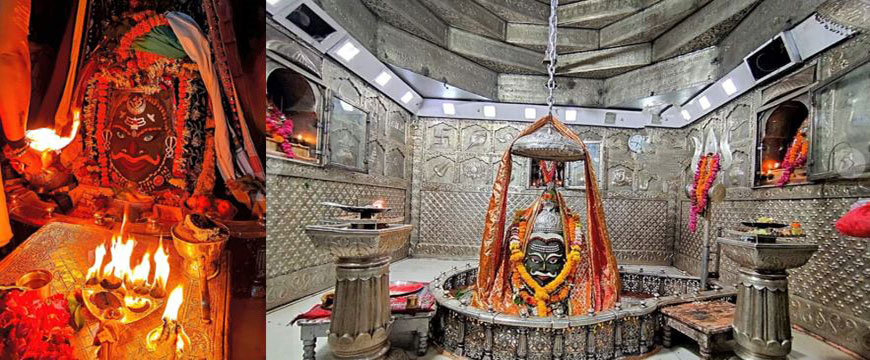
<point>708,168</point>
<point>143,71</point>
<point>35,328</point>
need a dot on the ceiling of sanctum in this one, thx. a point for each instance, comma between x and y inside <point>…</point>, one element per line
<point>495,48</point>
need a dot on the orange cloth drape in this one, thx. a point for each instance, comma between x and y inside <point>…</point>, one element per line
<point>15,89</point>
<point>596,286</point>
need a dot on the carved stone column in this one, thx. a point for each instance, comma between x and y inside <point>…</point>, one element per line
<point>361,319</point>
<point>361,311</point>
<point>762,327</point>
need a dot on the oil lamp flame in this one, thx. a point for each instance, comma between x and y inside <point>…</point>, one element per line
<point>122,251</point>
<point>379,204</point>
<point>161,271</point>
<point>94,271</point>
<point>46,139</point>
<point>176,298</point>
<point>171,329</point>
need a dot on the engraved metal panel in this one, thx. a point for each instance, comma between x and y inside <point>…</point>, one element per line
<point>347,135</point>
<point>395,164</point>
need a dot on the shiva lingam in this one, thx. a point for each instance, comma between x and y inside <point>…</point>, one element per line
<point>762,327</point>
<point>362,248</point>
<point>170,332</point>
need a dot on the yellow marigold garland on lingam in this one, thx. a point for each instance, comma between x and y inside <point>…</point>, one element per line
<point>543,295</point>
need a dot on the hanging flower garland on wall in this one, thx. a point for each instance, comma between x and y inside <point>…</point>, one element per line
<point>708,168</point>
<point>795,157</point>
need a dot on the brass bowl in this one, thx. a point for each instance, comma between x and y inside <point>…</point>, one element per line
<point>36,280</point>
<point>199,255</point>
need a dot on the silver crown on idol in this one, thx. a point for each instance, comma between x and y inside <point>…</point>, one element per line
<point>548,220</point>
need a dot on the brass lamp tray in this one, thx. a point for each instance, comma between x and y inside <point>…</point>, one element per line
<point>109,305</point>
<point>66,250</point>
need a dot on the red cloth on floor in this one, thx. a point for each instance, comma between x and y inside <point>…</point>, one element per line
<point>856,222</point>
<point>425,300</point>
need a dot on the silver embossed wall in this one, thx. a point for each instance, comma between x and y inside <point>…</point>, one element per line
<point>830,296</point>
<point>455,163</point>
<point>294,267</point>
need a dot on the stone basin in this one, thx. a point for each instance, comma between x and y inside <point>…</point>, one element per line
<point>767,256</point>
<point>344,241</point>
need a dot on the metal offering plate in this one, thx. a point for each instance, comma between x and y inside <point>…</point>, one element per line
<point>115,305</point>
<point>402,288</point>
<point>760,225</point>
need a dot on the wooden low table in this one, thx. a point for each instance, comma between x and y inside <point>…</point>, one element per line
<point>417,323</point>
<point>707,322</point>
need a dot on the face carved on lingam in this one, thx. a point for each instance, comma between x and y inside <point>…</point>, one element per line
<point>137,134</point>
<point>545,251</point>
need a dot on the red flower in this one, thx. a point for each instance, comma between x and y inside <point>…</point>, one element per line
<point>37,328</point>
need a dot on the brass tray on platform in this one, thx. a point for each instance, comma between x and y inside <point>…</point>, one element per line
<point>66,250</point>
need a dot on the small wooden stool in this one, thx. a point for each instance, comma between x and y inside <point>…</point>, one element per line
<point>706,322</point>
<point>417,323</point>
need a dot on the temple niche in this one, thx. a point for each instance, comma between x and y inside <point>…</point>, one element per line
<point>133,222</point>
<point>568,179</point>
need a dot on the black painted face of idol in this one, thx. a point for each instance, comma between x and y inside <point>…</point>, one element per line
<point>545,258</point>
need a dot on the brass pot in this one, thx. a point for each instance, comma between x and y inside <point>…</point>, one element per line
<point>197,255</point>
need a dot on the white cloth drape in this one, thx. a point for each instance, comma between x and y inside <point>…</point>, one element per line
<point>197,48</point>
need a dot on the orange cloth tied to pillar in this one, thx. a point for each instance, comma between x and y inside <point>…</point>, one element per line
<point>595,279</point>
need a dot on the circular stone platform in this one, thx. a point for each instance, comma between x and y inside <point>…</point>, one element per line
<point>633,328</point>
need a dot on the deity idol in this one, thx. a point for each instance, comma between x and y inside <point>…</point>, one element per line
<point>147,124</point>
<point>141,140</point>
<point>552,264</point>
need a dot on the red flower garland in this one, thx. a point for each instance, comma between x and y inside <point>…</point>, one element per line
<point>102,113</point>
<point>180,116</point>
<point>35,328</point>
<point>145,22</point>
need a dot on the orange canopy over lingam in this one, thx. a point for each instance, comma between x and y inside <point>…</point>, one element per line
<point>589,279</point>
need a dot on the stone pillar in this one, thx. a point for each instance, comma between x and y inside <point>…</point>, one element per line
<point>360,321</point>
<point>762,327</point>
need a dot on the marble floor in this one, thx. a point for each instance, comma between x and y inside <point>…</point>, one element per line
<point>282,339</point>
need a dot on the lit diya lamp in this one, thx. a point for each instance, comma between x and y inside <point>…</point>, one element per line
<point>116,291</point>
<point>170,332</point>
<point>49,144</point>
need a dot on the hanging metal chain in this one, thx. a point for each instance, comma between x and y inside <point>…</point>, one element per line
<point>551,55</point>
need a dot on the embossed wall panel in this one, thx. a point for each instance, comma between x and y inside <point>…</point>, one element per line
<point>459,161</point>
<point>830,295</point>
<point>294,267</point>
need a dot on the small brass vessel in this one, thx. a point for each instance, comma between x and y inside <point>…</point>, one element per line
<point>36,280</point>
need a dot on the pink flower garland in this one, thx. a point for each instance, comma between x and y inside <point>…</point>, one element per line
<point>281,125</point>
<point>699,202</point>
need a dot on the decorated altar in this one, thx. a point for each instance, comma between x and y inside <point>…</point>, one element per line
<point>138,211</point>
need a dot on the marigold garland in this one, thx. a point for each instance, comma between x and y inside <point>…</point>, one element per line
<point>708,168</point>
<point>543,295</point>
<point>795,157</point>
